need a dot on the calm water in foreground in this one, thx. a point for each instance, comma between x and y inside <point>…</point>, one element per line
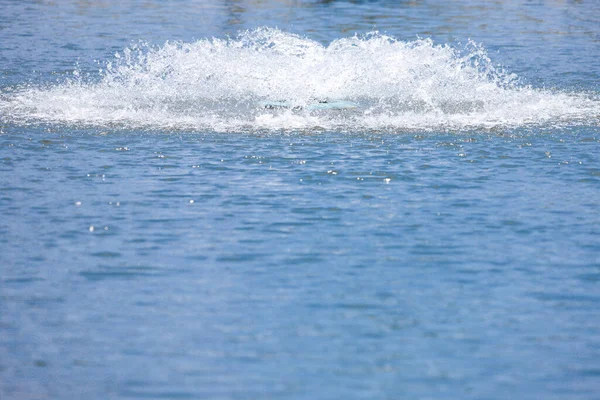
<point>164,236</point>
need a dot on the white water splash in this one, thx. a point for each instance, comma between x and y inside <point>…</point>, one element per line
<point>216,84</point>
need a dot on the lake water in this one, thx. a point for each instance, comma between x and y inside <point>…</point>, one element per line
<point>164,235</point>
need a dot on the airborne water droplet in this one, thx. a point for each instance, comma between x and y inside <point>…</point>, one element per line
<point>223,85</point>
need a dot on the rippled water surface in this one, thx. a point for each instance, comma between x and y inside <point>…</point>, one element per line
<point>164,235</point>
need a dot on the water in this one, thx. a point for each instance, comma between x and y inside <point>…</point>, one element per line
<point>164,236</point>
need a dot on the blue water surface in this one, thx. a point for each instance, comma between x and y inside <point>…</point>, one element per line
<point>171,262</point>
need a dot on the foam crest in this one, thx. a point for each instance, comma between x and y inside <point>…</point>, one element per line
<point>220,84</point>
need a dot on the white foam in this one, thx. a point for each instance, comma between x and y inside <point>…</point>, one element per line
<point>218,84</point>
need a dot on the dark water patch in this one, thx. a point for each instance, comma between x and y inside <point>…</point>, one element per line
<point>285,227</point>
<point>122,272</point>
<point>196,257</point>
<point>158,394</point>
<point>44,301</point>
<point>136,240</point>
<point>240,258</point>
<point>310,259</point>
<point>23,280</point>
<point>106,254</point>
<point>357,306</point>
<point>566,298</point>
<point>587,373</point>
<point>590,277</point>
